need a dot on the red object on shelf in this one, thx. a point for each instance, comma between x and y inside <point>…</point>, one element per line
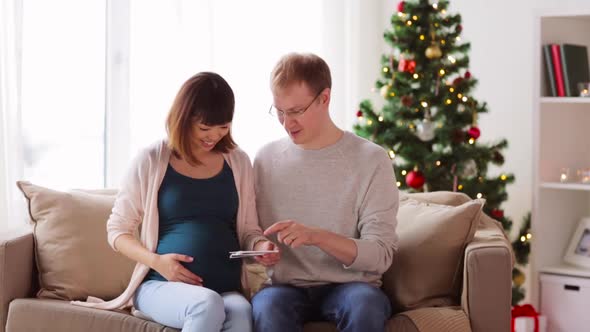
<point>558,70</point>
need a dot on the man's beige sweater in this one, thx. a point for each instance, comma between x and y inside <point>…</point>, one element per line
<point>348,188</point>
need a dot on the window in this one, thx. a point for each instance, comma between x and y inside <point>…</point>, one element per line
<point>99,77</point>
<point>63,78</point>
<point>232,38</point>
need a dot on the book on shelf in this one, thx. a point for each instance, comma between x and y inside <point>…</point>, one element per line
<point>550,78</point>
<point>557,70</point>
<point>566,65</point>
<point>574,62</point>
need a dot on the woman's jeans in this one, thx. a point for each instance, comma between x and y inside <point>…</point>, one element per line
<point>193,308</point>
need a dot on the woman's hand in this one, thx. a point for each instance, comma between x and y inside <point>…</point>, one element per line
<point>169,267</point>
<point>267,259</point>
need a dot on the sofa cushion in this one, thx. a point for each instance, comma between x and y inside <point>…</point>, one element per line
<point>257,277</point>
<point>445,319</point>
<point>398,323</point>
<point>439,197</point>
<point>427,269</point>
<point>72,255</point>
<point>56,315</point>
<point>487,228</point>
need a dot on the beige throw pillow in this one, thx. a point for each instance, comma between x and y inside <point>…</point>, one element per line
<point>440,197</point>
<point>487,227</point>
<point>73,257</point>
<point>427,268</point>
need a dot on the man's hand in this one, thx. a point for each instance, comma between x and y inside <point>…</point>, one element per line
<point>169,267</point>
<point>294,234</point>
<point>267,259</point>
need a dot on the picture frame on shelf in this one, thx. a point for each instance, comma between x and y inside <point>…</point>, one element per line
<point>578,251</point>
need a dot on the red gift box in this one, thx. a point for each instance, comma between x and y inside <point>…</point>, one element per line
<point>525,310</point>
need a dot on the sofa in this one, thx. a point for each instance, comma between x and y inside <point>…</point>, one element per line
<point>452,271</point>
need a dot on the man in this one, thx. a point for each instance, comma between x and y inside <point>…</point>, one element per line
<point>330,199</point>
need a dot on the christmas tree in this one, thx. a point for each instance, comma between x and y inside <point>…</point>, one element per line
<point>428,122</point>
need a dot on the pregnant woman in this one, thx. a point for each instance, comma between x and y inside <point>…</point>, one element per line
<point>193,196</point>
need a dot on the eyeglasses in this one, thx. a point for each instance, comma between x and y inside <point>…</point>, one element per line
<point>291,114</point>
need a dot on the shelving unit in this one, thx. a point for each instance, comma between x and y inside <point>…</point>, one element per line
<point>565,186</point>
<point>564,100</point>
<point>561,138</point>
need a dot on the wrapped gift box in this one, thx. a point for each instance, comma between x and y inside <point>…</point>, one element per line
<point>527,324</point>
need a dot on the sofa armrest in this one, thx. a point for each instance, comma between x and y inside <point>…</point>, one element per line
<point>16,268</point>
<point>487,278</point>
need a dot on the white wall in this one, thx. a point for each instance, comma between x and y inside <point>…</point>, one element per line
<point>368,21</point>
<point>501,36</point>
<point>501,39</point>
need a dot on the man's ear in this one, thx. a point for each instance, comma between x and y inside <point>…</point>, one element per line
<point>325,96</point>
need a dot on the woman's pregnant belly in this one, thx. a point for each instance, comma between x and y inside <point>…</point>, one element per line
<point>209,243</point>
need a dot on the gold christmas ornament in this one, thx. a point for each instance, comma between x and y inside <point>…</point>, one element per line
<point>433,51</point>
<point>385,91</point>
<point>519,279</point>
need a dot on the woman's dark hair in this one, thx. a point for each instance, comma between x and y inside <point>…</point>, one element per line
<point>205,98</point>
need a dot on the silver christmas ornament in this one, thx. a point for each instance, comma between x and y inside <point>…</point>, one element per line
<point>425,130</point>
<point>469,169</point>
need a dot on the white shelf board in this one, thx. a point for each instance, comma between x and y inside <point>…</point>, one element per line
<point>565,186</point>
<point>579,12</point>
<point>565,100</point>
<point>568,270</point>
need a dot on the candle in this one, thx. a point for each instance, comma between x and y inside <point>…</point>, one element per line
<point>584,89</point>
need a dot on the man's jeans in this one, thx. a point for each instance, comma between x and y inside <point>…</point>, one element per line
<point>354,307</point>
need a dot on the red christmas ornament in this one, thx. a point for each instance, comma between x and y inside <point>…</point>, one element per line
<point>458,136</point>
<point>415,179</point>
<point>407,100</point>
<point>467,75</point>
<point>359,113</point>
<point>407,66</point>
<point>474,132</point>
<point>400,6</point>
<point>457,81</point>
<point>497,213</point>
<point>459,28</point>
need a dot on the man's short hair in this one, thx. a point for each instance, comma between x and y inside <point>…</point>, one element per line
<point>295,68</point>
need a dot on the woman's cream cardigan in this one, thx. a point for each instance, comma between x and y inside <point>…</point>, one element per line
<point>137,203</point>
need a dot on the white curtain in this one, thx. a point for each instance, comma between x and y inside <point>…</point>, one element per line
<point>241,40</point>
<point>11,209</point>
<point>62,68</point>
